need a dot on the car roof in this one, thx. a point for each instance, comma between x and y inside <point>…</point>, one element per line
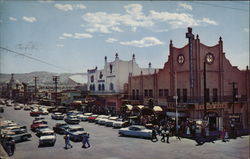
<point>75,126</point>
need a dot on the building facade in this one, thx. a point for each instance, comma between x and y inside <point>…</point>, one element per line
<point>206,83</point>
<point>108,84</point>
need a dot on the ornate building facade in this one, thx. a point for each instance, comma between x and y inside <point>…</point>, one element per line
<point>206,83</point>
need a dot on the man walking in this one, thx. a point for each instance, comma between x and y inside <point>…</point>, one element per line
<point>85,140</point>
<point>154,134</point>
<point>67,141</point>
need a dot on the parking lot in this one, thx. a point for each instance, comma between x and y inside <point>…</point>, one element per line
<point>107,144</point>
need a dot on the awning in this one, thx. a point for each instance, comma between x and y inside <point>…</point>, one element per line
<point>140,106</point>
<point>157,109</point>
<point>129,107</point>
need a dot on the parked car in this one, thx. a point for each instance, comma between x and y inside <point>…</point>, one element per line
<point>136,131</point>
<point>81,117</point>
<point>38,118</point>
<point>92,118</point>
<point>72,119</point>
<point>26,107</point>
<point>120,123</point>
<point>17,135</point>
<point>35,112</point>
<point>17,107</point>
<point>60,128</point>
<point>35,125</point>
<point>73,112</point>
<point>100,117</point>
<point>85,116</point>
<point>44,111</point>
<point>47,137</point>
<point>57,116</point>
<point>103,120</point>
<point>75,133</point>
<point>110,121</point>
<point>16,128</point>
<point>41,127</point>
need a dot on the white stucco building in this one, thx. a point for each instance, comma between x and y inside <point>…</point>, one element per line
<point>114,75</point>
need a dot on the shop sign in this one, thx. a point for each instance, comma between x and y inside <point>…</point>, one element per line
<point>211,106</point>
<point>234,116</point>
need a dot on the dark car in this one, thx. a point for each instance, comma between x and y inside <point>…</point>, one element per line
<point>60,128</point>
<point>35,113</point>
<point>57,116</point>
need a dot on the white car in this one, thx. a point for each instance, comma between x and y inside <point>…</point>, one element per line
<point>44,111</point>
<point>85,116</point>
<point>120,123</point>
<point>75,133</point>
<point>103,120</point>
<point>57,116</point>
<point>136,131</point>
<point>111,120</point>
<point>47,137</point>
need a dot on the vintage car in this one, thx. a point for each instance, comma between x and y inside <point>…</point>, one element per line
<point>75,133</point>
<point>120,123</point>
<point>103,120</point>
<point>16,135</point>
<point>20,129</point>
<point>60,128</point>
<point>35,112</point>
<point>44,111</point>
<point>92,118</point>
<point>47,137</point>
<point>110,121</point>
<point>17,107</point>
<point>85,116</point>
<point>26,107</point>
<point>40,128</point>
<point>136,131</point>
<point>72,119</point>
<point>57,116</point>
<point>36,124</point>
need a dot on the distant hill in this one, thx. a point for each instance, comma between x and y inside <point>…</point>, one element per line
<point>47,78</point>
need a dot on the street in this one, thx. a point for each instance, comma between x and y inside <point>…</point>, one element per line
<point>106,144</point>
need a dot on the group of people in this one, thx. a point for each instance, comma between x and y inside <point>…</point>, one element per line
<point>163,130</point>
<point>85,141</point>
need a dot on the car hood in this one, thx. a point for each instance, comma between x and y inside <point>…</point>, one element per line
<point>47,137</point>
<point>78,132</point>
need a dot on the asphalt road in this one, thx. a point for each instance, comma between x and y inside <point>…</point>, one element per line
<point>107,144</point>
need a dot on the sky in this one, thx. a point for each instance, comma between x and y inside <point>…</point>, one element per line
<point>73,36</point>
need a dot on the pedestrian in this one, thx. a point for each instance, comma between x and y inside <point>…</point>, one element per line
<point>154,135</point>
<point>167,133</point>
<point>10,146</point>
<point>85,140</point>
<point>67,141</point>
<point>222,135</point>
<point>163,134</point>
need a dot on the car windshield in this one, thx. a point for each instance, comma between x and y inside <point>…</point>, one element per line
<point>43,127</point>
<point>76,129</point>
<point>47,134</point>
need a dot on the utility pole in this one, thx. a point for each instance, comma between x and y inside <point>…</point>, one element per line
<point>35,78</point>
<point>205,87</point>
<point>176,104</point>
<point>233,94</point>
<point>55,79</point>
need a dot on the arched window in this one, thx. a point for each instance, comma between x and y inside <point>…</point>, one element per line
<point>99,87</point>
<point>90,87</point>
<point>93,87</point>
<point>103,87</point>
<point>111,86</point>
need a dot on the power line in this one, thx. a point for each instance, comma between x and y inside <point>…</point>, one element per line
<point>32,58</point>
<point>215,5</point>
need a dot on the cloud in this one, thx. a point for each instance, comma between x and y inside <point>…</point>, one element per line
<point>60,45</point>
<point>75,36</point>
<point>82,35</point>
<point>135,18</point>
<point>29,19</point>
<point>69,7</point>
<point>209,21</point>
<point>145,42</point>
<point>111,40</point>
<point>185,6</point>
<point>12,19</point>
<point>246,30</point>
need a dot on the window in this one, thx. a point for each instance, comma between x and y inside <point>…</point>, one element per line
<point>90,87</point>
<point>93,86</point>
<point>166,93</point>
<point>150,93</point>
<point>185,95</point>
<point>111,86</point>
<point>137,94</point>
<point>179,95</point>
<point>207,95</point>
<point>133,94</point>
<point>99,87</point>
<point>103,87</point>
<point>146,93</point>
<point>161,93</point>
<point>235,94</point>
<point>215,95</point>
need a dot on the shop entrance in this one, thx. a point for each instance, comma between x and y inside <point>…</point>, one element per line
<point>213,121</point>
